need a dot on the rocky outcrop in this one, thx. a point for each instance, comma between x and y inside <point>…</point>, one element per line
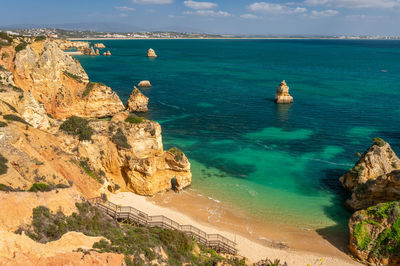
<point>137,102</point>
<point>375,234</point>
<point>88,51</point>
<point>131,155</point>
<point>6,77</point>
<point>282,94</point>
<point>151,53</point>
<point>99,45</point>
<point>375,178</point>
<point>59,81</point>
<point>144,83</point>
<point>67,44</point>
<point>108,53</point>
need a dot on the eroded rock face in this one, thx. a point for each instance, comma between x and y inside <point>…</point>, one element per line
<point>375,234</point>
<point>66,44</point>
<point>151,53</point>
<point>59,81</point>
<point>375,178</point>
<point>282,94</point>
<point>137,102</point>
<point>132,156</point>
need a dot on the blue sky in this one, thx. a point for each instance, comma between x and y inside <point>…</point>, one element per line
<point>220,16</point>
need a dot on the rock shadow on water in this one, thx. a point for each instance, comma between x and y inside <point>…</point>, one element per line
<point>282,112</point>
<point>338,234</point>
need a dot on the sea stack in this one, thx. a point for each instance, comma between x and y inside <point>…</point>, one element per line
<point>144,83</point>
<point>137,101</point>
<point>151,53</point>
<point>282,94</point>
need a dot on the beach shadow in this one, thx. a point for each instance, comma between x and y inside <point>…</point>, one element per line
<point>337,235</point>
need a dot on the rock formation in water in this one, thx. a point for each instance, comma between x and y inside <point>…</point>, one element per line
<point>375,178</point>
<point>375,234</point>
<point>108,53</point>
<point>137,102</point>
<point>151,53</point>
<point>97,52</point>
<point>144,83</point>
<point>67,44</point>
<point>282,94</point>
<point>99,45</point>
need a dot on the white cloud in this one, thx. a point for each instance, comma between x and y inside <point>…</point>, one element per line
<point>356,3</point>
<point>200,5</point>
<point>153,2</point>
<point>271,8</point>
<point>124,8</point>
<point>208,13</point>
<point>249,16</point>
<point>324,13</point>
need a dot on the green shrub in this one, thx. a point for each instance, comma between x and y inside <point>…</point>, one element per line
<point>40,187</point>
<point>78,127</point>
<point>6,188</point>
<point>89,87</point>
<point>120,139</point>
<point>177,153</point>
<point>20,46</point>
<point>4,36</point>
<point>10,106</point>
<point>3,165</point>
<point>40,38</point>
<point>4,55</point>
<point>133,119</point>
<point>2,124</point>
<point>72,76</point>
<point>380,142</point>
<point>14,118</point>
<point>362,235</point>
<point>84,163</point>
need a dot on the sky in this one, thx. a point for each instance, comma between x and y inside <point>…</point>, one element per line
<point>274,17</point>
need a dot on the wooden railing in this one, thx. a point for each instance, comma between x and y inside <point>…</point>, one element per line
<point>127,213</point>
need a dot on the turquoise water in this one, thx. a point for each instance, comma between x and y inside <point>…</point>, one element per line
<point>214,99</point>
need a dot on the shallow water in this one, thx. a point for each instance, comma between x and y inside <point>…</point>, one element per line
<point>214,100</point>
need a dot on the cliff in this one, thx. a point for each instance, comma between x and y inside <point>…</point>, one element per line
<point>129,150</point>
<point>282,94</point>
<point>137,102</point>
<point>375,177</point>
<point>375,234</point>
<point>59,82</point>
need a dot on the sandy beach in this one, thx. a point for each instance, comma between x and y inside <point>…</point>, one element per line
<point>291,245</point>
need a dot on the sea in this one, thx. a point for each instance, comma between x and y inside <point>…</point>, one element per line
<point>280,162</point>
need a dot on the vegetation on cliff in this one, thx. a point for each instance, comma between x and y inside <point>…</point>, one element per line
<point>140,245</point>
<point>3,165</point>
<point>133,119</point>
<point>15,118</point>
<point>120,139</point>
<point>376,233</point>
<point>78,127</point>
<point>177,153</point>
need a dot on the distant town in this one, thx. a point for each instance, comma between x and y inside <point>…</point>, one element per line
<point>86,34</point>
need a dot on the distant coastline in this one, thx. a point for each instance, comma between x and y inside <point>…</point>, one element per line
<point>235,38</point>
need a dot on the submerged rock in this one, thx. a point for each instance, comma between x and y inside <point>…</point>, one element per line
<point>375,234</point>
<point>151,53</point>
<point>137,101</point>
<point>375,178</point>
<point>144,83</point>
<point>282,94</point>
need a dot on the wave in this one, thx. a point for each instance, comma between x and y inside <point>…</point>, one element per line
<point>329,162</point>
<point>172,106</point>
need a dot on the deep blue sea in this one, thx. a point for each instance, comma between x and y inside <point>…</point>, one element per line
<point>214,100</point>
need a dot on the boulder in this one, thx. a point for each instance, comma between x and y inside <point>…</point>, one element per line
<point>144,83</point>
<point>137,102</point>
<point>151,53</point>
<point>375,177</point>
<point>282,94</point>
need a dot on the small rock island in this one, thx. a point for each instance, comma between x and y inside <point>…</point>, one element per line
<point>151,53</point>
<point>144,83</point>
<point>282,94</point>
